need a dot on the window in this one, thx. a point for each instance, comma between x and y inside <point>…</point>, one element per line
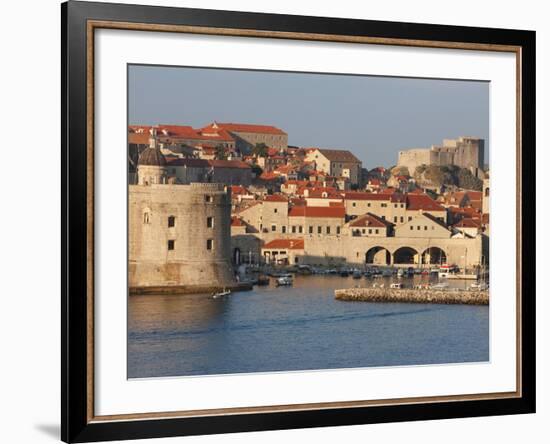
<point>384,205</point>
<point>209,222</point>
<point>338,230</point>
<point>418,227</point>
<point>412,228</point>
<point>275,210</point>
<point>376,231</point>
<point>368,204</point>
<point>171,221</point>
<point>353,204</point>
<point>273,227</point>
<point>300,229</point>
<point>328,230</point>
<point>425,228</point>
<point>311,229</point>
<point>146,218</point>
<point>383,217</point>
<point>409,218</point>
<point>208,198</point>
<point>283,228</point>
<point>395,205</point>
<point>319,229</point>
<point>401,219</point>
<point>395,219</point>
<point>363,231</point>
<point>294,228</point>
<point>370,230</point>
<point>171,244</point>
<point>209,244</point>
<point>402,205</point>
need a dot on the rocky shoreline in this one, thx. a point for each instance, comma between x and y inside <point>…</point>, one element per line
<point>409,295</point>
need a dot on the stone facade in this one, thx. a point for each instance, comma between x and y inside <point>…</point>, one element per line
<point>179,235</point>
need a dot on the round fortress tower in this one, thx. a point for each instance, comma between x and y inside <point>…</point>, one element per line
<point>179,235</point>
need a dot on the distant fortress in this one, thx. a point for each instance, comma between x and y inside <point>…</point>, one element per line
<point>465,152</point>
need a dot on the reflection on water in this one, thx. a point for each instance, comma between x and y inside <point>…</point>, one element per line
<point>296,328</point>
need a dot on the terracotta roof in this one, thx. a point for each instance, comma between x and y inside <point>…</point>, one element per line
<point>184,132</point>
<point>335,211</point>
<point>275,198</point>
<point>237,222</point>
<point>268,175</point>
<point>247,128</point>
<point>138,138</point>
<point>338,155</point>
<point>370,220</point>
<point>422,202</point>
<point>285,244</point>
<point>229,164</point>
<point>239,190</point>
<point>467,223</point>
<point>360,195</point>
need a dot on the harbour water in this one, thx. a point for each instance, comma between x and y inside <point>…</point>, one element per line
<point>297,328</point>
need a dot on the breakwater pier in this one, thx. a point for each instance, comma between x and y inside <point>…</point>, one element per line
<point>409,295</point>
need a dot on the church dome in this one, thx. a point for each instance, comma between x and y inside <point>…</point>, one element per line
<point>152,157</point>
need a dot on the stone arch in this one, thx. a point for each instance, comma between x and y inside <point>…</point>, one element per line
<point>405,255</point>
<point>434,255</point>
<point>377,256</point>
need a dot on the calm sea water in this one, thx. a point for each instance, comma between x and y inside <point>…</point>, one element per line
<point>296,328</point>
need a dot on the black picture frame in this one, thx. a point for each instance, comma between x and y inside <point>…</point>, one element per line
<point>76,423</point>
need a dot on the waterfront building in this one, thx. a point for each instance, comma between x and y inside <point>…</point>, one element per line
<point>316,221</point>
<point>179,235</point>
<point>283,251</point>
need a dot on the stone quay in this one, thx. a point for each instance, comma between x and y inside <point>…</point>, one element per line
<point>409,295</point>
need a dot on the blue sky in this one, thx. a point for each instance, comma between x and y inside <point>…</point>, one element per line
<point>374,117</point>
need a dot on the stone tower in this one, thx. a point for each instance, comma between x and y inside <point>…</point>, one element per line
<point>151,163</point>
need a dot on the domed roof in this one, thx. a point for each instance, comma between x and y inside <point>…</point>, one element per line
<point>152,157</point>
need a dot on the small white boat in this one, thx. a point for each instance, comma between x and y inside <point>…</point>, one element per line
<point>221,294</point>
<point>440,286</point>
<point>284,281</point>
<point>396,285</point>
<point>444,271</point>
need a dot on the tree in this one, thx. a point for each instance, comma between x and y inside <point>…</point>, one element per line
<point>260,150</point>
<point>257,170</point>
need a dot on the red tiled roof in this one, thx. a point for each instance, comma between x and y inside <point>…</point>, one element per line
<point>336,211</point>
<point>275,198</point>
<point>360,195</point>
<point>185,132</point>
<point>237,222</point>
<point>229,164</point>
<point>248,128</point>
<point>422,202</point>
<point>285,244</point>
<point>239,190</point>
<point>467,223</point>
<point>138,138</point>
<point>369,220</point>
<point>268,175</point>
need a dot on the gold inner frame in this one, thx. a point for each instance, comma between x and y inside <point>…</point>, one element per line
<point>92,25</point>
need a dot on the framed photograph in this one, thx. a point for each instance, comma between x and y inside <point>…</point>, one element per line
<point>275,221</point>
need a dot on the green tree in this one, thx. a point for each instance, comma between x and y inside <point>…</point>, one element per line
<point>257,170</point>
<point>260,150</point>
